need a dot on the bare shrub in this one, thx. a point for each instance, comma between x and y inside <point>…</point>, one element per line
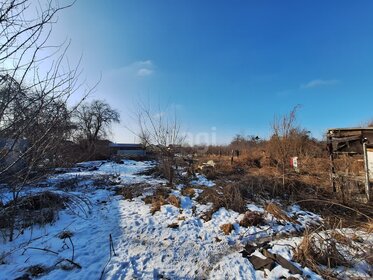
<point>35,87</point>
<point>226,228</point>
<point>289,140</point>
<point>161,133</point>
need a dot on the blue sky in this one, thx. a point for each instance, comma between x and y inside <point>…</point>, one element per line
<point>231,65</point>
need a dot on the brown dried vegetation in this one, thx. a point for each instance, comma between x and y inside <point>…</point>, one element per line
<point>174,200</point>
<point>252,219</point>
<point>278,213</point>
<point>39,209</point>
<point>316,250</point>
<point>226,228</point>
<point>231,196</point>
<point>188,191</point>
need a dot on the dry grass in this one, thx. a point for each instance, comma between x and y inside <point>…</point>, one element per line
<point>159,198</point>
<point>153,172</point>
<point>278,213</point>
<point>157,203</point>
<point>173,225</point>
<point>135,190</point>
<point>65,234</point>
<point>228,197</point>
<point>41,208</point>
<point>37,270</point>
<point>368,226</point>
<point>316,250</point>
<point>341,238</point>
<point>188,191</point>
<point>252,219</point>
<point>174,200</point>
<point>68,184</point>
<point>148,199</point>
<point>226,228</point>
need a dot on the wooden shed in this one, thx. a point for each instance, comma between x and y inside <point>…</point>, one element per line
<point>351,159</point>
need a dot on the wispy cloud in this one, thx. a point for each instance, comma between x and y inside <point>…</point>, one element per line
<point>144,72</point>
<point>319,83</point>
<point>141,68</point>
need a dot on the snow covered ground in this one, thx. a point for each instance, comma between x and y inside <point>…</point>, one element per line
<point>144,246</point>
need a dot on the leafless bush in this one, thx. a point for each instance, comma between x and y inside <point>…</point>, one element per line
<point>35,120</point>
<point>161,133</point>
<point>289,140</point>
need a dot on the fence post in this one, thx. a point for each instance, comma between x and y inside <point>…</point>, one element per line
<point>366,165</point>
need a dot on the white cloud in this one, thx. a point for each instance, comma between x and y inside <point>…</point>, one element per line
<point>141,68</point>
<point>319,83</point>
<point>144,72</point>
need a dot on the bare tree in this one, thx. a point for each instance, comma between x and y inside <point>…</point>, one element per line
<point>281,140</point>
<point>93,122</point>
<point>162,133</point>
<point>34,117</point>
